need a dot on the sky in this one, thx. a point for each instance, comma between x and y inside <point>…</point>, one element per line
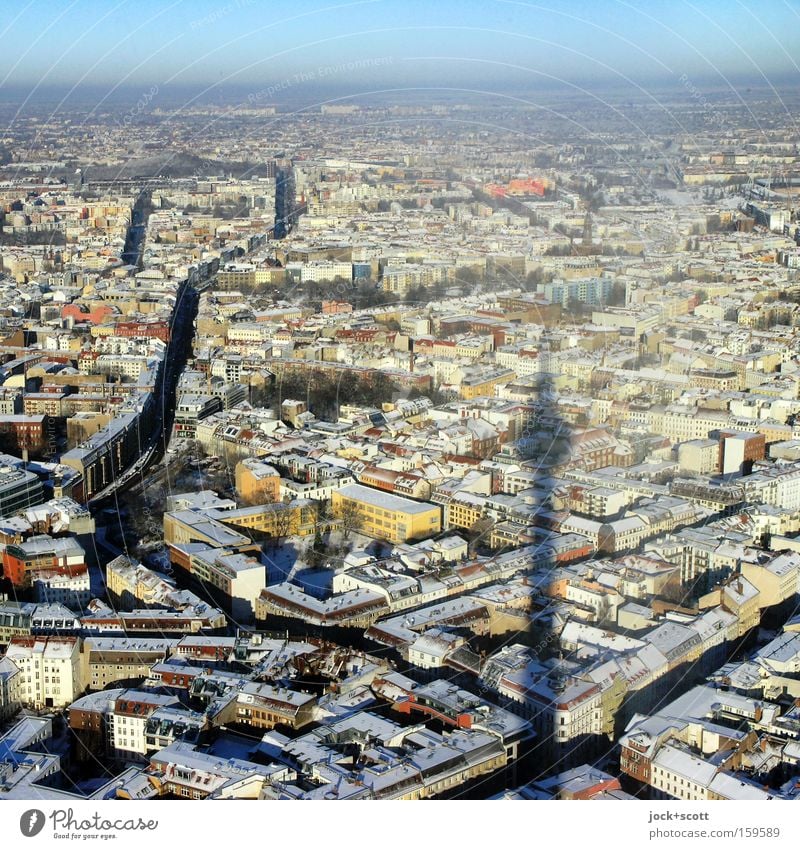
<point>269,48</point>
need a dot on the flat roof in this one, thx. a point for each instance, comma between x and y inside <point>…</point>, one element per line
<point>385,500</point>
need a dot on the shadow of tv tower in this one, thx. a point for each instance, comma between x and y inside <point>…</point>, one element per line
<point>544,448</point>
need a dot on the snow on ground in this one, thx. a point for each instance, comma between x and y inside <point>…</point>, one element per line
<point>316,582</point>
<point>281,560</point>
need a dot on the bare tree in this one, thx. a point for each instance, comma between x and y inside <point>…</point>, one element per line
<point>480,533</point>
<point>350,517</point>
<point>283,523</point>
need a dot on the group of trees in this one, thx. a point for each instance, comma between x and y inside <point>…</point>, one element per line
<point>365,293</point>
<point>324,394</point>
<point>425,294</point>
<point>225,211</point>
<point>55,238</point>
<point>406,203</point>
<point>362,294</point>
<point>326,548</point>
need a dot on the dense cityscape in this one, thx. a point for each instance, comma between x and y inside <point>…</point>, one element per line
<point>404,447</point>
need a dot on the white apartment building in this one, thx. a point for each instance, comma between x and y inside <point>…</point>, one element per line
<point>778,486</point>
<point>238,577</point>
<point>53,670</point>
<point>128,720</point>
<point>10,688</point>
<point>678,774</point>
<point>320,270</point>
<point>684,424</point>
<point>73,591</point>
<point>250,332</point>
<point>700,456</point>
<point>127,365</point>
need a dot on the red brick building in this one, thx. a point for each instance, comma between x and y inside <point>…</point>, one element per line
<point>143,330</point>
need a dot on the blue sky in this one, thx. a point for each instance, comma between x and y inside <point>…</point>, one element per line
<point>384,43</point>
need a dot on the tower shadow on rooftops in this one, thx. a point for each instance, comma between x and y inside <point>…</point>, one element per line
<point>544,450</point>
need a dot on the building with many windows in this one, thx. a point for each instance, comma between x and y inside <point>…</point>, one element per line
<point>385,516</point>
<point>52,668</point>
<point>41,559</point>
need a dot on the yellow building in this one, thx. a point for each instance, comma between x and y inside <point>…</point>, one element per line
<point>236,529</point>
<point>293,518</point>
<point>257,482</point>
<point>184,526</point>
<point>110,661</point>
<point>776,581</point>
<point>483,383</point>
<point>464,510</point>
<point>384,516</point>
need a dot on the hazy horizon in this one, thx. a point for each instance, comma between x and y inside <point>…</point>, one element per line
<point>216,49</point>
